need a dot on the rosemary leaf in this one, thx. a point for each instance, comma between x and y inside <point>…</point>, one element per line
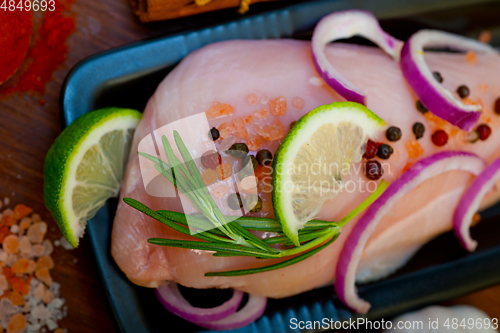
<point>241,250</point>
<point>282,264</point>
<point>151,213</point>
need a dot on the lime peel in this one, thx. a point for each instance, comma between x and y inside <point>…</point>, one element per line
<point>67,154</point>
<point>332,133</point>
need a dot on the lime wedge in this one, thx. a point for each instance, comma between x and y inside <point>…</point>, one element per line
<point>84,167</point>
<point>314,159</point>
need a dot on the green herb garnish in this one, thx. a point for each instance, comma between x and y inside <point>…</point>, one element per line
<point>233,238</point>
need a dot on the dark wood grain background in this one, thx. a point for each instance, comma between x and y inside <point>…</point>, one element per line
<point>27,129</point>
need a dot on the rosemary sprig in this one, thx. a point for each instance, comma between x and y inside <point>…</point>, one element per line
<point>229,239</point>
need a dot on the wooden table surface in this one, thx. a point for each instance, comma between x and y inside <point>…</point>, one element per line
<point>27,129</point>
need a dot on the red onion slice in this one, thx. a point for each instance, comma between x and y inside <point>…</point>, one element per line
<point>345,24</point>
<point>172,299</point>
<point>470,202</point>
<point>357,239</point>
<point>429,91</point>
<point>254,308</point>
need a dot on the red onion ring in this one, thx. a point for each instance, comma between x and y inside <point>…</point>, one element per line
<point>353,248</point>
<point>254,308</point>
<point>345,24</point>
<point>172,299</point>
<point>469,204</point>
<point>429,91</point>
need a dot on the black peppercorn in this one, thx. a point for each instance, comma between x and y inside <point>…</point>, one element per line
<point>373,170</point>
<point>497,106</point>
<point>393,133</point>
<point>264,157</point>
<point>418,130</point>
<point>238,150</point>
<point>463,91</point>
<point>421,108</point>
<point>384,151</point>
<point>438,77</point>
<point>213,134</point>
<point>247,159</point>
<point>253,203</point>
<point>234,201</point>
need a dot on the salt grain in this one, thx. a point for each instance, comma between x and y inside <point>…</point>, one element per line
<point>37,250</point>
<point>51,325</point>
<point>14,229</point>
<point>39,291</point>
<point>57,242</point>
<point>48,247</point>
<point>3,255</point>
<point>37,231</point>
<point>11,259</point>
<point>41,312</point>
<point>34,328</point>
<point>3,283</point>
<point>6,201</point>
<point>25,246</point>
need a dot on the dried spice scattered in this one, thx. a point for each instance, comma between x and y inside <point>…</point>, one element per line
<point>29,298</point>
<point>48,50</point>
<point>15,29</point>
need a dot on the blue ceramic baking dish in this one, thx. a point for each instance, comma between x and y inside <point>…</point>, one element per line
<point>127,77</point>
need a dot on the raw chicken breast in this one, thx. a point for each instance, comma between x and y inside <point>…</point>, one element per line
<point>248,75</point>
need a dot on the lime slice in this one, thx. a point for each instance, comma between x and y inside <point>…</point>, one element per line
<point>84,167</point>
<point>313,161</point>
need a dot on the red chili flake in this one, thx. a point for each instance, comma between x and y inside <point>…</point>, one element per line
<point>49,50</point>
<point>483,131</point>
<point>440,138</point>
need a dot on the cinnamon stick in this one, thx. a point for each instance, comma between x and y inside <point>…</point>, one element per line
<point>157,10</point>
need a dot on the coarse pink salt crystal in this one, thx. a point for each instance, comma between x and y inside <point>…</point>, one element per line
<point>11,244</point>
<point>36,217</point>
<point>45,261</point>
<point>298,103</point>
<point>25,246</point>
<point>39,291</point>
<point>261,114</point>
<point>271,132</point>
<point>3,283</point>
<point>48,297</point>
<point>253,142</point>
<point>37,250</point>
<point>251,99</point>
<point>219,191</point>
<point>3,255</point>
<point>43,275</point>
<point>14,229</point>
<point>23,265</point>
<point>471,57</point>
<point>249,183</point>
<point>37,231</point>
<point>484,36</point>
<point>277,106</point>
<point>24,224</point>
<point>16,323</point>
<point>219,110</point>
<point>47,244</point>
